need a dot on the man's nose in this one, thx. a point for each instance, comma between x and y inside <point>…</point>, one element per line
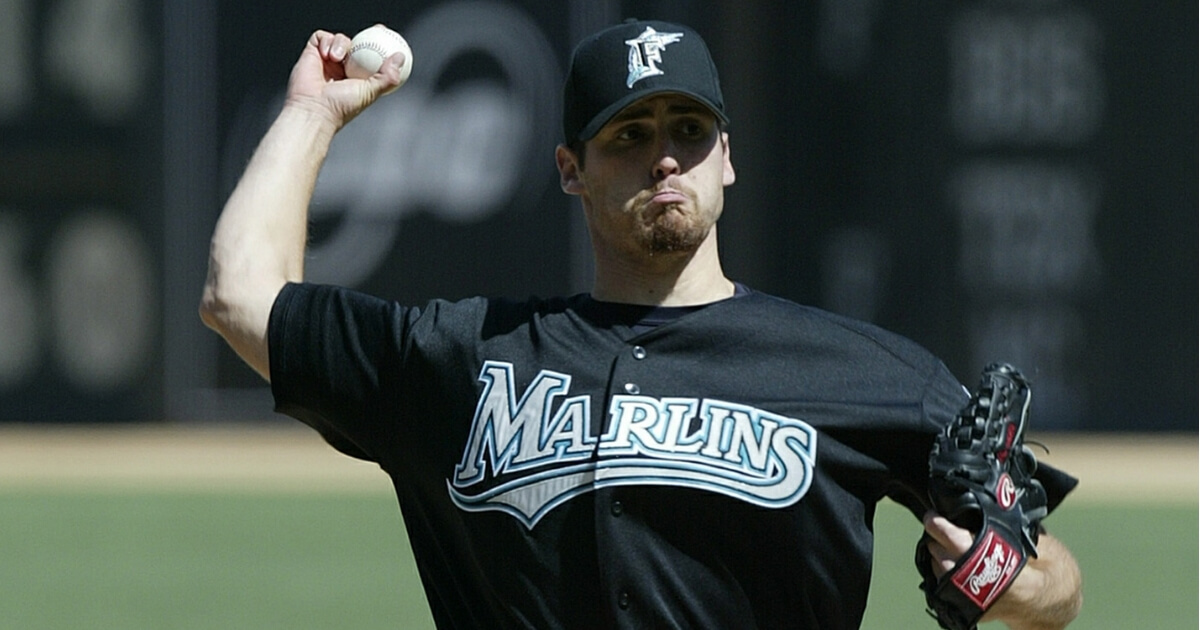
<point>667,161</point>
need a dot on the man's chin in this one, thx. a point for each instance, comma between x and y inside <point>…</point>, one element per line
<point>665,240</point>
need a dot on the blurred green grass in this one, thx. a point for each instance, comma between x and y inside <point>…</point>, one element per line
<point>156,561</point>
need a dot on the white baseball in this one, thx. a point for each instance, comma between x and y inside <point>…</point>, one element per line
<point>371,47</point>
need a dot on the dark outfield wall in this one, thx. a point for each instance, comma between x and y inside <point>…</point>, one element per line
<point>996,180</point>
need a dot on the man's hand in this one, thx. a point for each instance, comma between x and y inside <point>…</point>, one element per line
<point>1046,594</point>
<point>948,543</point>
<point>319,83</point>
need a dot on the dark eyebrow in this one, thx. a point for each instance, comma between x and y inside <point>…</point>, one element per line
<point>631,114</point>
<point>688,108</point>
<point>642,111</point>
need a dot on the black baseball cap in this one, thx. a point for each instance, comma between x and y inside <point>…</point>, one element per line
<point>630,61</point>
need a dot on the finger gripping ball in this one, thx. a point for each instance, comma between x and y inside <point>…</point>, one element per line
<point>371,47</point>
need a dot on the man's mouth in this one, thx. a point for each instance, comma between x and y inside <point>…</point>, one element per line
<point>668,197</point>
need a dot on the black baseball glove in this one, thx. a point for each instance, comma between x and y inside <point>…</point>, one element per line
<point>981,479</point>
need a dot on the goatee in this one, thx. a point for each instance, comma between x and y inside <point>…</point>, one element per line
<point>673,233</point>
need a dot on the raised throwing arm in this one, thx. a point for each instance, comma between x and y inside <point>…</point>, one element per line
<point>259,241</point>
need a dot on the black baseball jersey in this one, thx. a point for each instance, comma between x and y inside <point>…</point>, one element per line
<point>558,466</point>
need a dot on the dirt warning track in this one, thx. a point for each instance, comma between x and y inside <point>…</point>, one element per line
<point>271,457</point>
<point>284,456</point>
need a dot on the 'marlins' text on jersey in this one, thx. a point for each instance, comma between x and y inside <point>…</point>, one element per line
<point>539,451</point>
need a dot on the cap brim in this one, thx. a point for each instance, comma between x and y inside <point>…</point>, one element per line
<point>599,120</point>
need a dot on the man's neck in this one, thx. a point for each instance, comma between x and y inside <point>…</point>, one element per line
<point>673,279</point>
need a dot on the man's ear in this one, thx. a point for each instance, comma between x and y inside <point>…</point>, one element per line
<point>727,175</point>
<point>568,170</point>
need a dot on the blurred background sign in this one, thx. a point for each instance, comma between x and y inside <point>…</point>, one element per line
<point>80,235</point>
<point>999,181</point>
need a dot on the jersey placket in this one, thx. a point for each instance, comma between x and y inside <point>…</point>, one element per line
<point>616,527</point>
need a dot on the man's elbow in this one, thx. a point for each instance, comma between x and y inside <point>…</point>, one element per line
<point>240,313</point>
<point>214,310</point>
<point>208,313</point>
<point>236,302</point>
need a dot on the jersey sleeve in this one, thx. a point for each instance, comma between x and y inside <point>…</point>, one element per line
<point>329,349</point>
<point>939,401</point>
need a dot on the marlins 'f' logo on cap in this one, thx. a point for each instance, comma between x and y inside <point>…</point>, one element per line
<point>645,52</point>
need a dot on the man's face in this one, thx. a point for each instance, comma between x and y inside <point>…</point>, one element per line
<point>654,176</point>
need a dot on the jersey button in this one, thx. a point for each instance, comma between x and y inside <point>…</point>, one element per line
<point>616,508</point>
<point>623,600</point>
<point>639,353</point>
<point>632,389</point>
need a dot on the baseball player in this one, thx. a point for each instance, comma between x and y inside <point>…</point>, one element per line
<point>671,450</point>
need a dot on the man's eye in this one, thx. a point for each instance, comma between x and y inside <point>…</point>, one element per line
<point>691,130</point>
<point>630,134</point>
